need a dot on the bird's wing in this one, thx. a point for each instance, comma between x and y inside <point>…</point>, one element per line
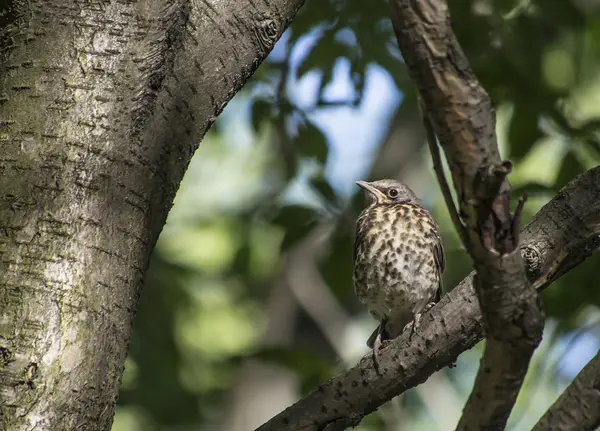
<point>371,340</point>
<point>355,246</point>
<point>440,260</point>
<point>357,239</point>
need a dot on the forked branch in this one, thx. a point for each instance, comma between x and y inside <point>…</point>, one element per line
<point>460,113</point>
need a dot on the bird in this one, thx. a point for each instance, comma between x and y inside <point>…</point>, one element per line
<point>398,259</point>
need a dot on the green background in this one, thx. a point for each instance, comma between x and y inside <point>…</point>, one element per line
<point>249,303</point>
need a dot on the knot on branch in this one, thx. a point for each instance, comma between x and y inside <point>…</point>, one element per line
<point>591,246</point>
<point>266,32</point>
<point>533,261</point>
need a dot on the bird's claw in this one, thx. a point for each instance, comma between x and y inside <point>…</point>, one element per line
<point>413,326</point>
<point>376,347</point>
<point>380,342</point>
<point>428,307</point>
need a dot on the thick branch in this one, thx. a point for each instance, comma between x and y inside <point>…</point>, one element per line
<point>102,105</point>
<point>568,225</point>
<point>579,405</point>
<point>463,119</point>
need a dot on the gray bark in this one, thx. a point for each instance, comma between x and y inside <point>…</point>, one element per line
<point>102,104</point>
<point>578,408</point>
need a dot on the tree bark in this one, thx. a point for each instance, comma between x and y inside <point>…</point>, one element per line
<point>578,408</point>
<point>102,105</point>
<point>566,230</point>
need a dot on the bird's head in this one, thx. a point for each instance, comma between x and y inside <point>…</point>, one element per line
<point>387,192</point>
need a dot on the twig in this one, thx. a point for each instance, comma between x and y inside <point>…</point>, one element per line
<point>517,217</point>
<point>439,171</point>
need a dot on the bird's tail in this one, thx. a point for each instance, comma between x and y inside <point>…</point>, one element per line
<point>371,340</point>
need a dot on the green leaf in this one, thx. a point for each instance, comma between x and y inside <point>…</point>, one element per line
<point>505,6</point>
<point>311,142</point>
<point>591,126</point>
<point>566,13</point>
<point>326,78</point>
<point>532,189</point>
<point>324,189</point>
<point>261,111</point>
<point>572,292</point>
<point>310,17</point>
<point>321,53</point>
<point>323,56</point>
<point>524,130</point>
<point>592,143</point>
<point>593,33</point>
<point>311,368</point>
<point>337,267</point>
<point>570,168</point>
<point>297,221</point>
<point>358,71</point>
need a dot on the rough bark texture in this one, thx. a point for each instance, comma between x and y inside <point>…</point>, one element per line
<point>578,408</point>
<point>567,227</point>
<point>462,117</point>
<point>102,104</point>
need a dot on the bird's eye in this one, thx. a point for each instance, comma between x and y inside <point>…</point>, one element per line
<point>393,193</point>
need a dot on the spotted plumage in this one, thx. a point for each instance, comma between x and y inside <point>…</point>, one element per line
<point>398,258</point>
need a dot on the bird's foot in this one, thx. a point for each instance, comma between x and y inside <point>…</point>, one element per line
<point>410,327</point>
<point>379,343</point>
<point>428,307</point>
<point>413,326</point>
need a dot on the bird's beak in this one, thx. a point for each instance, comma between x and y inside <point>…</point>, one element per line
<point>375,193</point>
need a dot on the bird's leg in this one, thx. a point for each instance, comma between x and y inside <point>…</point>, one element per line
<point>380,338</point>
<point>428,307</point>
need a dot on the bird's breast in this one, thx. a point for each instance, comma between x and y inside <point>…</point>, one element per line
<point>394,269</point>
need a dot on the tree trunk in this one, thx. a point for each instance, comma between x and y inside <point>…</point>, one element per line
<point>102,104</point>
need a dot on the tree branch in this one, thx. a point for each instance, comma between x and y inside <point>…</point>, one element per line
<point>439,171</point>
<point>460,113</point>
<point>579,405</point>
<point>566,226</point>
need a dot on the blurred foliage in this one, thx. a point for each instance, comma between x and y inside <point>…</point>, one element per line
<point>269,182</point>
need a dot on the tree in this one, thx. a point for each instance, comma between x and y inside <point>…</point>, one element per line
<point>123,93</point>
<point>103,105</point>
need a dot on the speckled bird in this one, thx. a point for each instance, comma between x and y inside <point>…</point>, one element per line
<point>398,259</point>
